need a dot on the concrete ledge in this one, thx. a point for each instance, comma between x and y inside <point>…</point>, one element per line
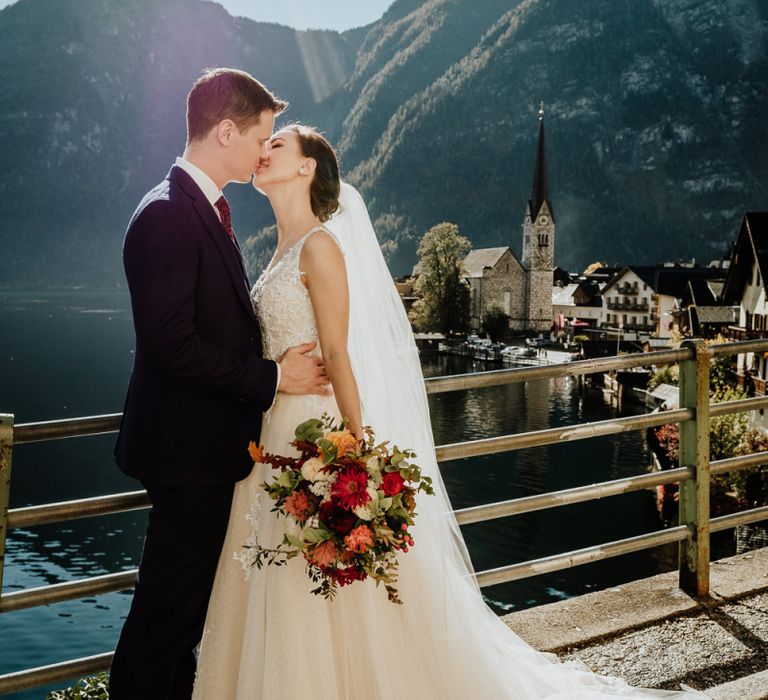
<point>652,635</point>
<point>578,621</point>
<point>754,687</point>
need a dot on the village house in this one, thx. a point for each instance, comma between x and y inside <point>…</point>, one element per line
<point>644,299</point>
<point>404,286</point>
<point>630,302</point>
<point>701,313</point>
<point>745,287</point>
<point>577,305</point>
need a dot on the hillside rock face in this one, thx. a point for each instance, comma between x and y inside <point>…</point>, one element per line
<point>655,118</point>
<point>655,126</point>
<point>92,103</point>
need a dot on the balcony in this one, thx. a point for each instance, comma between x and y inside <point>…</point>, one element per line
<point>741,333</point>
<point>627,288</point>
<point>627,305</point>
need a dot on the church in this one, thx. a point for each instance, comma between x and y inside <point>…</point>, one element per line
<point>521,289</point>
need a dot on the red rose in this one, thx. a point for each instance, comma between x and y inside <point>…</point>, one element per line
<point>393,483</point>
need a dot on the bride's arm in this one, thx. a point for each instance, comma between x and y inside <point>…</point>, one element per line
<point>325,276</point>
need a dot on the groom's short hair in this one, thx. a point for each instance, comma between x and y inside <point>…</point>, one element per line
<point>227,93</point>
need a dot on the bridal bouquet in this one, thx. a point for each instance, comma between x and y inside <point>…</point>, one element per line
<point>349,504</point>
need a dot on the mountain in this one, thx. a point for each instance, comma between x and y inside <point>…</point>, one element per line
<point>655,120</point>
<point>654,114</point>
<point>92,115</point>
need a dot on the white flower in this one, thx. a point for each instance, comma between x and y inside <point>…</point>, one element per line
<point>372,464</point>
<point>293,528</point>
<point>368,511</point>
<point>363,512</point>
<point>321,488</point>
<point>310,470</point>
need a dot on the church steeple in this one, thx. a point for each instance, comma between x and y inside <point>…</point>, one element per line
<point>540,189</point>
<point>539,243</point>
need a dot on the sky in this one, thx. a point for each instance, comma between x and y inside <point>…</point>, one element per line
<point>302,14</point>
<point>310,14</point>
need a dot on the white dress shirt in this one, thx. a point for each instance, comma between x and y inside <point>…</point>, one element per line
<point>212,193</point>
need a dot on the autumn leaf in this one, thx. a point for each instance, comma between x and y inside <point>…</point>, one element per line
<point>257,453</point>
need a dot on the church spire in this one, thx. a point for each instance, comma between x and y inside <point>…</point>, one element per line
<point>540,190</point>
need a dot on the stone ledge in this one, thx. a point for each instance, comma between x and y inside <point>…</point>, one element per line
<point>577,621</point>
<point>754,687</point>
<point>652,635</point>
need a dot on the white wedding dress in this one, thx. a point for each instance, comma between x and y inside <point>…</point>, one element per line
<point>267,638</point>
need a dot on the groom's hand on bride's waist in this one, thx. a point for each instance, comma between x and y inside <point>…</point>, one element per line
<point>301,373</point>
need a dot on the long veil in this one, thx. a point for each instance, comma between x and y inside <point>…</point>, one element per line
<point>385,359</point>
<point>437,585</point>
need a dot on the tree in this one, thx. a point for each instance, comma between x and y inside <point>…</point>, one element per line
<point>495,324</point>
<point>443,303</point>
<point>593,267</point>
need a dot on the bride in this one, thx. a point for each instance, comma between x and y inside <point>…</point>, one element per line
<point>266,636</point>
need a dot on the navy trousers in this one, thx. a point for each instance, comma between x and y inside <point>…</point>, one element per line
<point>154,658</point>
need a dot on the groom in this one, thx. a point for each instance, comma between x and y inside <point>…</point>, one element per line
<point>199,384</point>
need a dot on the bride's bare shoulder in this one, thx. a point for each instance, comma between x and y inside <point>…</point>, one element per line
<point>321,246</point>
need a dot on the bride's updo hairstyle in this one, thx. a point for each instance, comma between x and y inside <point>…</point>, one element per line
<point>326,186</point>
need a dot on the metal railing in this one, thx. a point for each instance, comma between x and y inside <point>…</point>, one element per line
<point>692,533</point>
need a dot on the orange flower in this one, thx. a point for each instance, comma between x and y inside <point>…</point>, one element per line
<point>299,505</point>
<point>257,453</point>
<point>324,554</point>
<point>360,539</point>
<point>343,440</point>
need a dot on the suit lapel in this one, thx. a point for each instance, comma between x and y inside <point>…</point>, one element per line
<point>230,253</point>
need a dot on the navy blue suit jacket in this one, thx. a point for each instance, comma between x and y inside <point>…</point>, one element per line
<point>199,383</point>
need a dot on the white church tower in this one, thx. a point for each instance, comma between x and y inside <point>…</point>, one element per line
<point>539,243</point>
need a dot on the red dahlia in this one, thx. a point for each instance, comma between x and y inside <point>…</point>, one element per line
<point>350,488</point>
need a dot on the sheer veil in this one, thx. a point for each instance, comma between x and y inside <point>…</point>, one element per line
<point>443,607</point>
<point>385,361</point>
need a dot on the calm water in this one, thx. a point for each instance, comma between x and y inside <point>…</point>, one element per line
<point>70,355</point>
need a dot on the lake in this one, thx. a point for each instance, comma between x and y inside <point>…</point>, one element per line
<point>70,354</point>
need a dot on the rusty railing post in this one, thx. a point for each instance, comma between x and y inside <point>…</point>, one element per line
<point>6,454</point>
<point>693,553</point>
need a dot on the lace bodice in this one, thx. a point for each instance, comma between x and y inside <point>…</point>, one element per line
<point>283,305</point>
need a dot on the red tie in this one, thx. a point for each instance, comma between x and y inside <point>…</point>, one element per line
<point>226,219</point>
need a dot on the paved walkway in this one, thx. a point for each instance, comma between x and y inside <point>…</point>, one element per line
<point>653,635</point>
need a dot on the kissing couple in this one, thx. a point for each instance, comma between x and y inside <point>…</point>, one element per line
<point>219,364</point>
